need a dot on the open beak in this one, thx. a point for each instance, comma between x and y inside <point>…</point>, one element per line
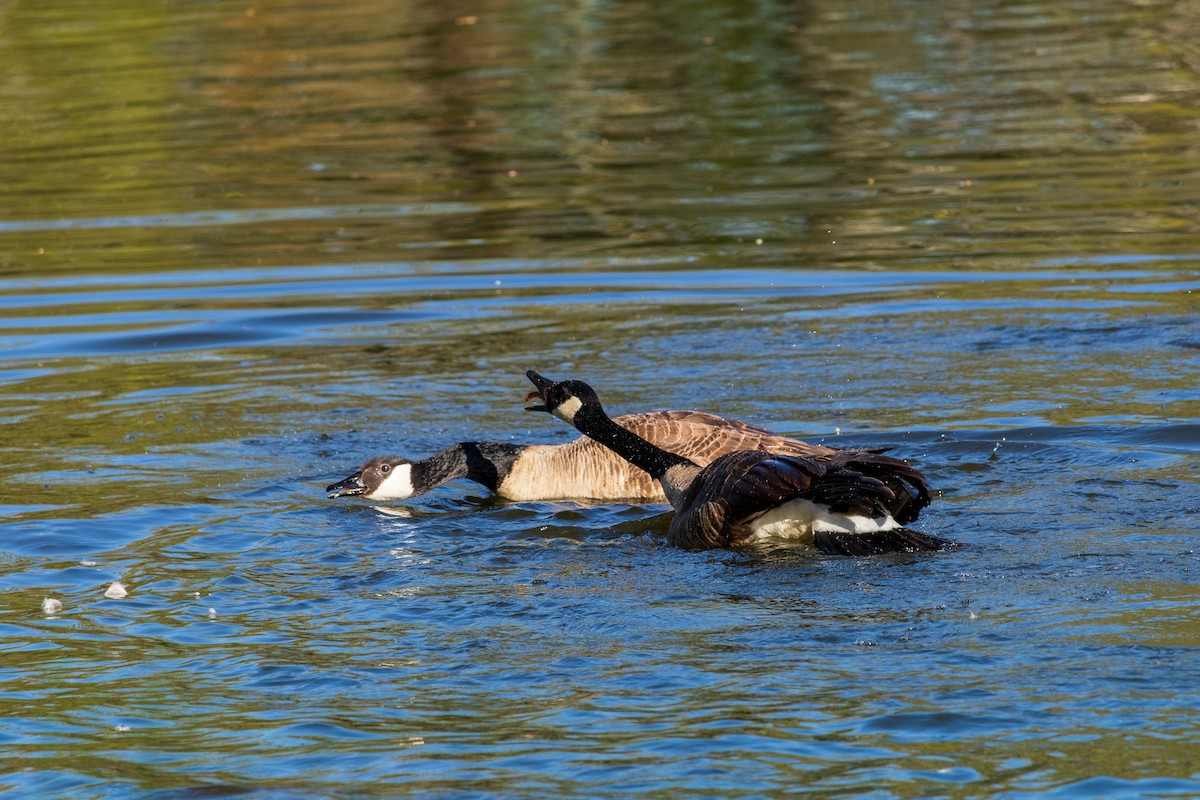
<point>542,385</point>
<point>350,487</point>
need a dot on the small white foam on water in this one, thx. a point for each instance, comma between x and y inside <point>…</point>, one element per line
<point>51,606</point>
<point>116,591</point>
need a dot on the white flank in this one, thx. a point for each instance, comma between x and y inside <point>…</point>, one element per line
<point>396,486</point>
<point>116,591</point>
<point>51,606</point>
<point>800,517</point>
<point>567,410</point>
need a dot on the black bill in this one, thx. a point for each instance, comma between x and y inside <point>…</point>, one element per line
<point>348,488</point>
<point>542,384</point>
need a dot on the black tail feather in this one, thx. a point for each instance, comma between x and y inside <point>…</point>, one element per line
<point>906,483</point>
<point>898,540</point>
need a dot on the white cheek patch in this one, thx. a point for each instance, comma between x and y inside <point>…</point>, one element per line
<point>396,486</point>
<point>567,410</point>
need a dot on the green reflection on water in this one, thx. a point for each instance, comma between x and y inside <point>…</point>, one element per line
<point>891,135</point>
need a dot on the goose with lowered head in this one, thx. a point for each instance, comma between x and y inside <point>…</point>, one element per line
<point>581,469</point>
<point>849,502</point>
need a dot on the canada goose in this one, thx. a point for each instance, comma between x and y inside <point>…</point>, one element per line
<point>846,502</point>
<point>580,469</point>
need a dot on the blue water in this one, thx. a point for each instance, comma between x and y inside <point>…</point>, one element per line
<point>243,248</point>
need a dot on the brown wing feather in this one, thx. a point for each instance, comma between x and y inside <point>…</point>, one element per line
<point>702,438</point>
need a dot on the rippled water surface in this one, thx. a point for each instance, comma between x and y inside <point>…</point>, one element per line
<point>244,246</point>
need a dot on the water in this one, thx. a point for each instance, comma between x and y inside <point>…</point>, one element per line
<point>244,247</point>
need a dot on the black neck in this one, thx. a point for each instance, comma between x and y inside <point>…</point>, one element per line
<point>628,445</point>
<point>486,463</point>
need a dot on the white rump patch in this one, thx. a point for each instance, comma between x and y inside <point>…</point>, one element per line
<point>396,486</point>
<point>567,410</point>
<point>799,518</point>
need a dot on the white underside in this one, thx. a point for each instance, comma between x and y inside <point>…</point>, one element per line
<point>396,486</point>
<point>801,518</point>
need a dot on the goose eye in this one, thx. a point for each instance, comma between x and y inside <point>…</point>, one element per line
<point>385,469</point>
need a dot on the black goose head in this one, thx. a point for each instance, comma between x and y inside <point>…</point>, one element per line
<point>567,400</point>
<point>381,478</point>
